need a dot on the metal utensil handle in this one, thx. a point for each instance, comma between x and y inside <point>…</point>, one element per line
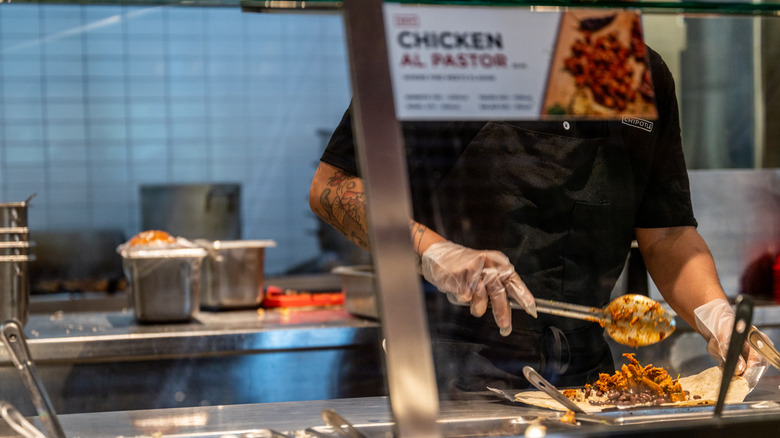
<point>17,421</point>
<point>554,308</point>
<point>586,310</point>
<point>543,385</point>
<point>761,344</point>
<point>15,342</point>
<point>340,424</point>
<point>742,319</point>
<point>551,307</point>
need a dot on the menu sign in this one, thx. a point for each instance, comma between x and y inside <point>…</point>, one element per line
<point>479,63</point>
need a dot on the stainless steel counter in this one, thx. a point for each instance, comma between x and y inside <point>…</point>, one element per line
<point>371,415</point>
<point>106,361</point>
<point>116,336</point>
<point>95,362</point>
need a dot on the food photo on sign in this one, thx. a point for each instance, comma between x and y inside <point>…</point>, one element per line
<point>600,67</point>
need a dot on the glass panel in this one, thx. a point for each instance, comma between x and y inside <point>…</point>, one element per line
<point>97,101</point>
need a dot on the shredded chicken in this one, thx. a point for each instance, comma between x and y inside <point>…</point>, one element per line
<point>632,384</point>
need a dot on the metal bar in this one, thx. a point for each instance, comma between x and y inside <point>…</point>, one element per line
<point>586,310</point>
<point>319,6</point>
<point>15,342</point>
<point>570,314</point>
<point>113,336</point>
<point>410,374</point>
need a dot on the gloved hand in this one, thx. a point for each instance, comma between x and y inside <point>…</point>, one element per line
<point>715,321</point>
<point>477,277</point>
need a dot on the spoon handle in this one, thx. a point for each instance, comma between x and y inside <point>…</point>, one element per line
<point>762,345</point>
<point>576,311</point>
<point>569,310</point>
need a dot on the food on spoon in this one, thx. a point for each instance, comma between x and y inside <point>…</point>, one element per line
<point>638,320</point>
<point>637,385</point>
<point>152,237</point>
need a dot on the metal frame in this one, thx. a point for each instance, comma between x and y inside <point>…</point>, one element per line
<point>410,374</point>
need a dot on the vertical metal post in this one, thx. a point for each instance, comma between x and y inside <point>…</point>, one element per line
<point>410,374</point>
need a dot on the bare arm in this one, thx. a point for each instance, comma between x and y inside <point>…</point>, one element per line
<point>682,267</point>
<point>339,198</point>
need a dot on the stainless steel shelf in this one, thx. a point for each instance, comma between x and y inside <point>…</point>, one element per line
<point>115,336</point>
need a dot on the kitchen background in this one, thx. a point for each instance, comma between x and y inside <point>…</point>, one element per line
<point>98,101</point>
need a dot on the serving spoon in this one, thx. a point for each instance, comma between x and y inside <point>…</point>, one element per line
<point>632,319</point>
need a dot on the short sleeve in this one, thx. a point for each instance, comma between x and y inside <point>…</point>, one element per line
<point>665,200</point>
<point>340,150</point>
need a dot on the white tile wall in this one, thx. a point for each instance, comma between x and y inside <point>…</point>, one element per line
<point>98,100</point>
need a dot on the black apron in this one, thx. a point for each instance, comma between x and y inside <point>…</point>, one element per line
<point>562,209</point>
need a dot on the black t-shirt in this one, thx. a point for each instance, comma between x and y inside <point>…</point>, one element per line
<point>561,199</point>
<point>432,149</point>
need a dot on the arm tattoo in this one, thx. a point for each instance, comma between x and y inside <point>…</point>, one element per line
<point>344,201</point>
<point>418,231</point>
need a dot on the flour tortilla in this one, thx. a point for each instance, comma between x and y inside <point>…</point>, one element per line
<point>705,384</point>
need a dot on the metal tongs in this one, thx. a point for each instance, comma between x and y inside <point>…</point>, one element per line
<point>16,344</point>
<point>17,421</point>
<point>340,424</point>
<point>536,379</point>
<point>742,319</point>
<point>763,346</point>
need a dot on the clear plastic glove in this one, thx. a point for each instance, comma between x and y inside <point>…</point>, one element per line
<point>715,321</point>
<point>477,277</point>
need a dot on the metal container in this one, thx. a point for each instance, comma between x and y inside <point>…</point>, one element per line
<point>14,288</point>
<point>15,248</point>
<point>14,234</point>
<point>164,283</point>
<point>14,214</point>
<point>233,273</point>
<point>193,211</point>
<point>357,283</point>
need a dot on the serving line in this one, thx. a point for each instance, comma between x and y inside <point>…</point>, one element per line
<point>372,417</point>
<point>116,336</point>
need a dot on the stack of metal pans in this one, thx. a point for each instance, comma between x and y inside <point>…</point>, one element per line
<point>15,256</point>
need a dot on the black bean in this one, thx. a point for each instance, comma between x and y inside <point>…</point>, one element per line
<point>613,395</point>
<point>696,397</point>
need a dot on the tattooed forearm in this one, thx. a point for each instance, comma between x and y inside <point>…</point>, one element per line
<point>343,205</point>
<point>418,231</point>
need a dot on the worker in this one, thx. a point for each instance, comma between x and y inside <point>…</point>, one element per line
<point>513,210</point>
